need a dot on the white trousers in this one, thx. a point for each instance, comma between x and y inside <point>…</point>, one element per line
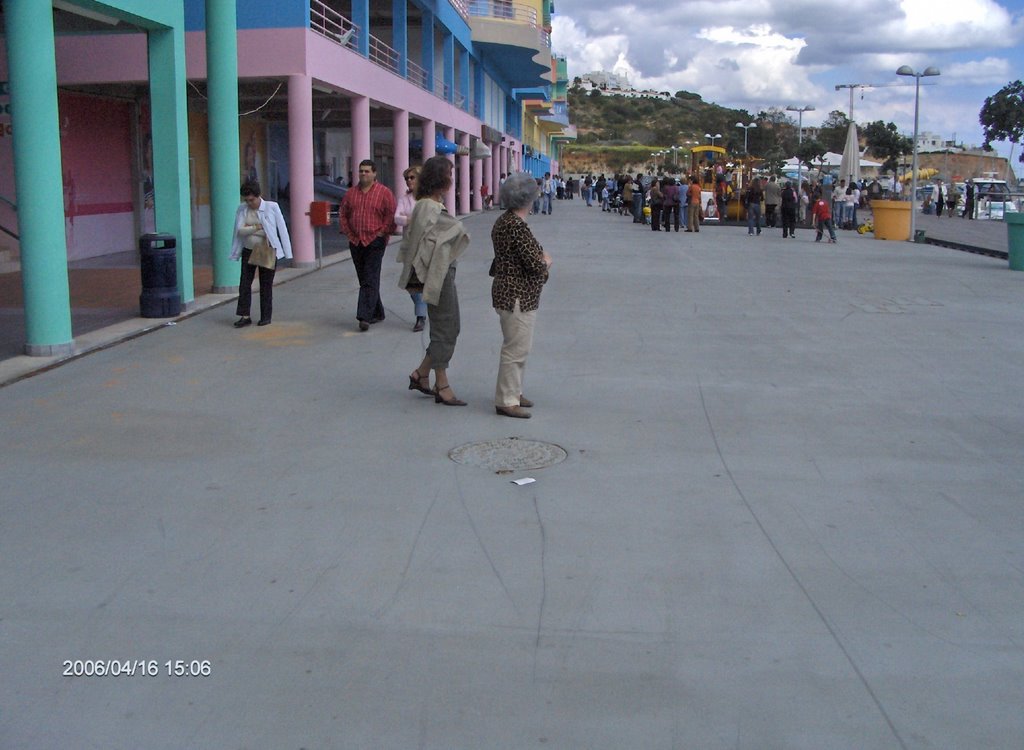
<point>517,339</point>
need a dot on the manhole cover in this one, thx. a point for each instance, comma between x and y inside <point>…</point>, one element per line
<point>508,454</point>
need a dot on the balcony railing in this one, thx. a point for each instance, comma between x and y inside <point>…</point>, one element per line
<point>462,8</point>
<point>383,55</point>
<point>505,10</point>
<point>332,25</point>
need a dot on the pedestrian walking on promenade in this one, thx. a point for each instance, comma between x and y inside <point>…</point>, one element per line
<point>752,197</point>
<point>520,269</point>
<point>657,202</point>
<point>772,198</point>
<point>406,204</point>
<point>432,245</point>
<point>693,205</point>
<point>259,223</point>
<point>670,203</point>
<point>822,219</point>
<point>367,217</point>
<point>969,200</point>
<point>788,198</point>
<point>638,198</point>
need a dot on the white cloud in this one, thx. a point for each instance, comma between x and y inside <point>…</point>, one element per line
<point>992,71</point>
<point>753,54</point>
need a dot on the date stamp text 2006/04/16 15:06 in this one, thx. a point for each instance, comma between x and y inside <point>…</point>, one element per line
<point>133,667</point>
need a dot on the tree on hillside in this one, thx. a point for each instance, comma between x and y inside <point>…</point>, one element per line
<point>832,133</point>
<point>886,143</point>
<point>774,160</point>
<point>782,128</point>
<point>1002,115</point>
<point>810,151</point>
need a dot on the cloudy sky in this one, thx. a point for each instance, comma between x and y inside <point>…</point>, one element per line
<point>755,54</point>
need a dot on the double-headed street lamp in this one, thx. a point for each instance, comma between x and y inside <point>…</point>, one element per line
<point>713,138</point>
<point>746,129</point>
<point>800,126</point>
<point>906,70</point>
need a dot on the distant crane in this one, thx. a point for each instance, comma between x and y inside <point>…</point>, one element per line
<point>863,86</point>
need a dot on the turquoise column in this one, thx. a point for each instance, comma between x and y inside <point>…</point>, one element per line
<point>32,70</point>
<point>225,160</point>
<point>170,146</point>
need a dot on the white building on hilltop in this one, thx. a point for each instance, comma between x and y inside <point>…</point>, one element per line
<point>602,79</point>
<point>614,84</point>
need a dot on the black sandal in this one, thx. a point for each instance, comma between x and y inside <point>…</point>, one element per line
<point>416,384</point>
<point>447,402</point>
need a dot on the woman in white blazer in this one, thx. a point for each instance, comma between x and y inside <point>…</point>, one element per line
<point>255,221</point>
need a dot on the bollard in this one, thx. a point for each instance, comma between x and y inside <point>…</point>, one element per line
<point>158,261</point>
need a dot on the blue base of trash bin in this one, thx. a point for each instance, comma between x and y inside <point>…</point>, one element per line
<point>159,303</point>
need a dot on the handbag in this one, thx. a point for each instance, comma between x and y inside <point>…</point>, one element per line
<point>263,255</point>
<point>413,284</point>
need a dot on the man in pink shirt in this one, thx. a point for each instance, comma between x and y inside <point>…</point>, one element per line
<point>367,217</point>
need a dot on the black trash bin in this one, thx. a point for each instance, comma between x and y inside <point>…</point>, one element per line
<point>160,297</point>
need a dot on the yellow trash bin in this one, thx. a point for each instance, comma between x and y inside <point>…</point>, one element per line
<point>892,220</point>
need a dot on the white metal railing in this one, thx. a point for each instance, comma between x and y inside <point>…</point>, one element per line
<point>383,55</point>
<point>462,8</point>
<point>504,10</point>
<point>331,24</point>
<point>415,74</point>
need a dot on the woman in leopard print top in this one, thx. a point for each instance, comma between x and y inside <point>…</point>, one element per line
<point>520,269</point>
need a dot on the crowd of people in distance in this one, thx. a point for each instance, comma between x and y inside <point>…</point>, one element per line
<point>666,203</point>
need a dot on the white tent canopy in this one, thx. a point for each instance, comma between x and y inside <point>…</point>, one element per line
<point>831,159</point>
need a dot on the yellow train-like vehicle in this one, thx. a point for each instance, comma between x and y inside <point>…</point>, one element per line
<point>711,165</point>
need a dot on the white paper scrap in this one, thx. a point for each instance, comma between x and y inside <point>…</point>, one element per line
<point>524,480</point>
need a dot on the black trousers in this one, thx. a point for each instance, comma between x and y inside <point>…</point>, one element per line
<point>669,213</point>
<point>788,221</point>
<point>769,214</point>
<point>245,288</point>
<point>367,260</point>
<point>655,217</point>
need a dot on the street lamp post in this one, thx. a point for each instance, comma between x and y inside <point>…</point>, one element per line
<point>800,126</point>
<point>906,70</point>
<point>713,138</point>
<point>746,129</point>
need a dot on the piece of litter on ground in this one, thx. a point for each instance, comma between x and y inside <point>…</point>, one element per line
<point>524,480</point>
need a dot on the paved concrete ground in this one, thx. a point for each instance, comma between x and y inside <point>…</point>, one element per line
<point>790,516</point>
